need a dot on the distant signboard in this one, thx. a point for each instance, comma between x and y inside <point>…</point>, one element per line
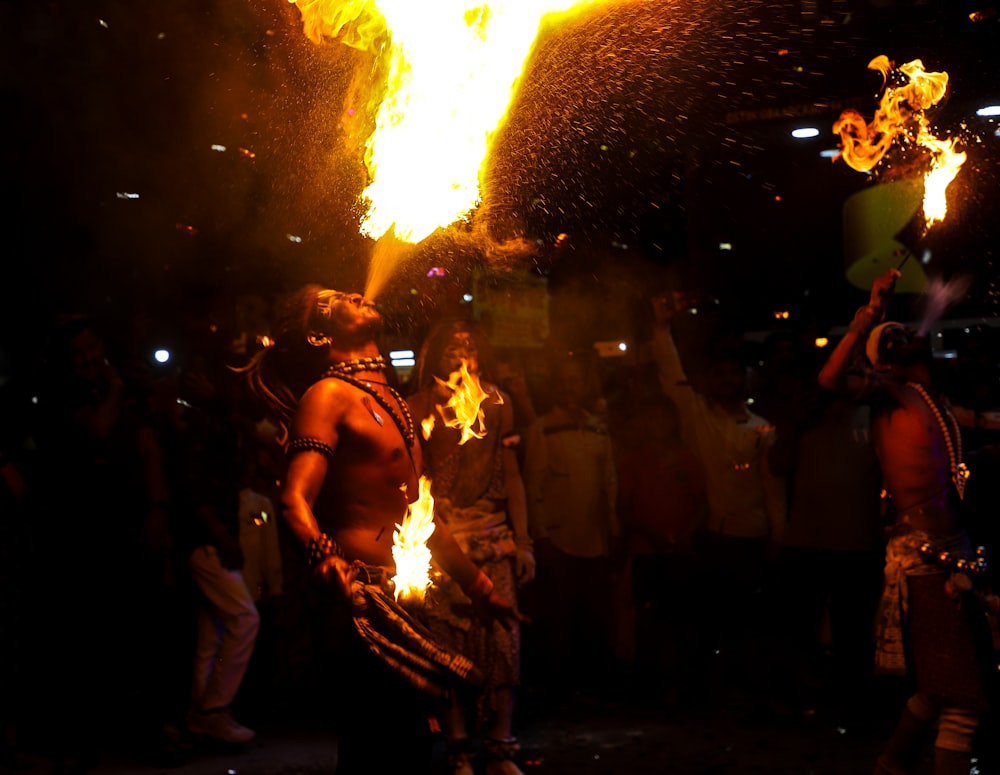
<point>515,313</point>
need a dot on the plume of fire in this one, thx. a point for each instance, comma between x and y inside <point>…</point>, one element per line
<point>464,408</point>
<point>409,547</point>
<point>945,164</point>
<point>901,114</point>
<point>450,75</point>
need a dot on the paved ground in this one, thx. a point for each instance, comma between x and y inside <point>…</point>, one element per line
<point>588,737</point>
<point>580,735</point>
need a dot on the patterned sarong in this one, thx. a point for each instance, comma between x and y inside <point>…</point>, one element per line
<point>404,645</point>
<point>484,536</point>
<point>903,559</point>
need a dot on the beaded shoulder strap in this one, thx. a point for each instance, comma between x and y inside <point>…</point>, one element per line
<point>404,423</point>
<point>952,438</point>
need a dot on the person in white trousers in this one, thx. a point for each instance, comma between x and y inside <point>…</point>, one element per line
<point>228,623</point>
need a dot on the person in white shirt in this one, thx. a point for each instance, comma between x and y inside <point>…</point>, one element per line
<point>746,501</point>
<point>570,479</point>
<point>259,540</point>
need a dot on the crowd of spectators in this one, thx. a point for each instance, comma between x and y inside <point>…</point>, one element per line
<point>705,519</point>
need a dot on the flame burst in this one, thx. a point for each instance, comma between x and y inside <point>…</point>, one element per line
<point>945,164</point>
<point>409,547</point>
<point>464,408</point>
<point>901,114</point>
<point>451,72</point>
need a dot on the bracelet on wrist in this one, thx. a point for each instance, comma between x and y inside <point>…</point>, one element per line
<point>319,548</point>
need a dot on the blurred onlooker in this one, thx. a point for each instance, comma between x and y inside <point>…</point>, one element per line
<point>783,371</point>
<point>975,393</point>
<point>746,500</point>
<point>661,502</point>
<point>203,445</point>
<point>974,387</point>
<point>263,573</point>
<point>511,378</point>
<point>571,485</point>
<point>258,528</point>
<point>828,577</point>
<point>478,491</point>
<point>101,500</point>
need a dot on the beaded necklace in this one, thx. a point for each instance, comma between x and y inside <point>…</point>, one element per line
<point>952,440</point>
<point>347,368</point>
<point>343,371</point>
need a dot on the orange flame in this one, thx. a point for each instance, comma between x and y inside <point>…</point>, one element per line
<point>945,164</point>
<point>901,115</point>
<point>463,409</point>
<point>451,72</point>
<point>409,547</point>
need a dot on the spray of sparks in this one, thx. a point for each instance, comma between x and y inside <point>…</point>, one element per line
<point>609,102</point>
<point>449,78</point>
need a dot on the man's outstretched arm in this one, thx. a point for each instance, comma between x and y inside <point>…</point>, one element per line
<point>835,375</point>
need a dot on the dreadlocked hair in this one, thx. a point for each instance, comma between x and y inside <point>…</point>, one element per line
<point>437,341</point>
<point>278,375</point>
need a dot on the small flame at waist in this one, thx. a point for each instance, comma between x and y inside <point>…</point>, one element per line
<point>409,547</point>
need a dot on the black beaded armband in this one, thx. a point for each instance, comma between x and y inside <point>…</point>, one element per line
<point>301,444</point>
<point>319,548</point>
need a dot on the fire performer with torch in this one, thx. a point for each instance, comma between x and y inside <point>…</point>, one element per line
<point>479,493</point>
<point>932,625</point>
<point>353,468</point>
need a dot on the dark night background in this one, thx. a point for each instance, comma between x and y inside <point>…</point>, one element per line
<point>190,160</point>
<point>648,132</point>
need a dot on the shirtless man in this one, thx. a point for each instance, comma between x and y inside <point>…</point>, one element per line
<point>931,624</point>
<point>353,467</point>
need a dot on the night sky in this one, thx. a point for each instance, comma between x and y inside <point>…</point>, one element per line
<point>169,154</point>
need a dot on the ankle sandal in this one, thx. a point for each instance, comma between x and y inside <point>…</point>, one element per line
<point>461,756</point>
<point>500,756</point>
<point>500,750</point>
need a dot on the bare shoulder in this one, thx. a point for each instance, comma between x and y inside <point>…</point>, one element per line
<point>327,395</point>
<point>322,409</point>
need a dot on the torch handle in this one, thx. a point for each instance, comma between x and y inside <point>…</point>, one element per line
<point>886,292</point>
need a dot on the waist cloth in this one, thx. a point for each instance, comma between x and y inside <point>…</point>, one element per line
<point>482,531</point>
<point>936,635</point>
<point>402,643</point>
